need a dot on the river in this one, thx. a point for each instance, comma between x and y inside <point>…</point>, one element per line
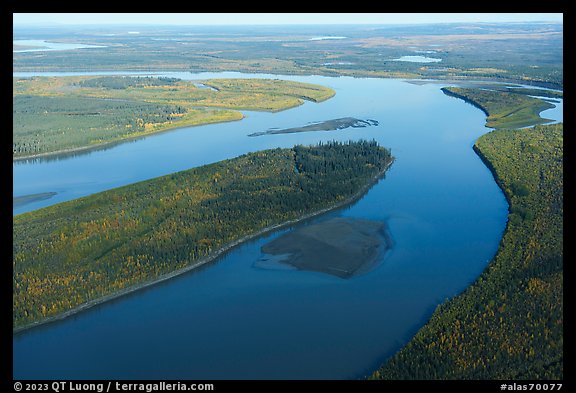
<point>232,320</point>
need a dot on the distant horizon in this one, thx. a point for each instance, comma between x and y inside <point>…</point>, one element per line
<point>273,19</point>
<point>112,25</point>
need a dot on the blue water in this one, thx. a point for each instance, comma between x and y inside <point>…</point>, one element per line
<point>230,320</point>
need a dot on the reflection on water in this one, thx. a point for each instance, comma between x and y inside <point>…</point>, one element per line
<point>26,199</point>
<point>42,159</point>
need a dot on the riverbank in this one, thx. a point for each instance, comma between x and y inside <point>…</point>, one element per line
<point>503,109</point>
<point>108,144</point>
<point>509,323</point>
<point>200,261</point>
<point>67,114</point>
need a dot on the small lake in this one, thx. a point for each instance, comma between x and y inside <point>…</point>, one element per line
<point>43,46</point>
<point>330,37</point>
<point>418,59</point>
<point>233,320</point>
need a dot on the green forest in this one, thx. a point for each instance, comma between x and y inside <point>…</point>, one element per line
<point>75,252</point>
<point>504,108</point>
<point>47,124</point>
<point>123,82</point>
<point>509,324</point>
<point>522,52</point>
<point>55,114</point>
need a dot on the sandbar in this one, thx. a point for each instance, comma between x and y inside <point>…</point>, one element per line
<point>341,246</point>
<point>327,125</point>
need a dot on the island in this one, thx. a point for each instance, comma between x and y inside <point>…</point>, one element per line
<point>55,115</point>
<point>327,125</point>
<point>75,254</point>
<point>341,246</point>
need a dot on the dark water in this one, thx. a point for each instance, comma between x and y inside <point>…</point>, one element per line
<point>231,320</point>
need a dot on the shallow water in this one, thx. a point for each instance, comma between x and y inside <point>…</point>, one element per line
<point>342,247</point>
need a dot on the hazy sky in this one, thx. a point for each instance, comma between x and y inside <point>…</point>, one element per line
<point>273,18</point>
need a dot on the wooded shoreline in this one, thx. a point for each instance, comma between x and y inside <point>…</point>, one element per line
<point>205,260</point>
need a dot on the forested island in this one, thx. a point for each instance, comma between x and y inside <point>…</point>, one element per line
<point>77,253</point>
<point>52,115</point>
<point>509,324</point>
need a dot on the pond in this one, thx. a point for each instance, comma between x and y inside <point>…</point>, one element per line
<point>418,59</point>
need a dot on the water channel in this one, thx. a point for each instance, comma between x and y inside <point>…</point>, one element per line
<point>233,320</point>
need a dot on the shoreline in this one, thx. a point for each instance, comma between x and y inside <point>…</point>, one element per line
<point>454,79</point>
<point>500,122</point>
<point>203,261</point>
<point>305,72</point>
<point>111,143</point>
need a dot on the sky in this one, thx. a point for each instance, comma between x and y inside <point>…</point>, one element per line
<point>273,18</point>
